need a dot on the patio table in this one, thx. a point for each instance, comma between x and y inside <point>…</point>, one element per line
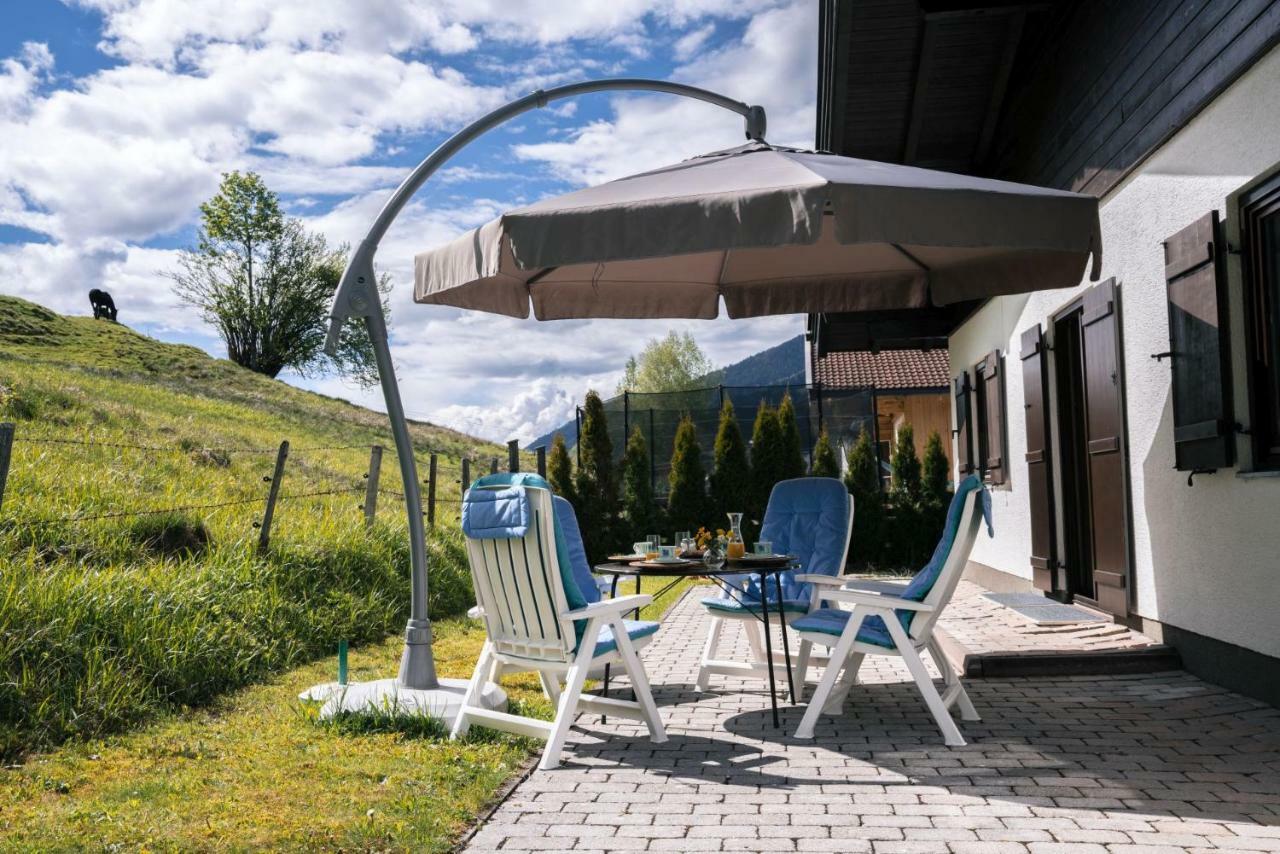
<point>677,572</point>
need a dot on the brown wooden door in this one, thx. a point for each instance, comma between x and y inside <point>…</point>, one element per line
<point>1105,447</point>
<point>1039,459</point>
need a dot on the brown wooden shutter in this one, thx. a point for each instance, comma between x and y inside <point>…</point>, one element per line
<point>992,378</point>
<point>1039,459</point>
<point>964,423</point>
<point>1104,432</point>
<point>1203,421</point>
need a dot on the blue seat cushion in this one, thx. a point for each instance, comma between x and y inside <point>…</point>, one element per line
<point>636,629</point>
<point>831,621</point>
<point>732,606</point>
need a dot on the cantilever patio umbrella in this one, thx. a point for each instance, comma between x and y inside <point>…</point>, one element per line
<point>769,230</point>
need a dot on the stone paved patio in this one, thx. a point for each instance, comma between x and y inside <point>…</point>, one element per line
<point>1082,765</point>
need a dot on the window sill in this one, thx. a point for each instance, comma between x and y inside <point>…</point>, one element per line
<point>1258,474</point>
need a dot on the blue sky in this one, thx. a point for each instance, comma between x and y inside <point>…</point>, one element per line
<point>117,118</point>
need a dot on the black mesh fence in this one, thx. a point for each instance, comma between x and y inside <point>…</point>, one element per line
<point>845,413</point>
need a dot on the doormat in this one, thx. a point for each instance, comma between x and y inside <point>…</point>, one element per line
<point>1042,611</point>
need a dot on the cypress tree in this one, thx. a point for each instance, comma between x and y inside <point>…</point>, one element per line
<point>792,447</point>
<point>637,486</point>
<point>935,471</point>
<point>906,488</point>
<point>731,475</point>
<point>824,457</point>
<point>863,481</point>
<point>560,469</point>
<point>687,498</point>
<point>766,459</point>
<point>909,530</point>
<point>594,483</point>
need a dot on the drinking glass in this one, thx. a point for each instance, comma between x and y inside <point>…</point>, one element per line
<point>655,543</point>
<point>764,547</point>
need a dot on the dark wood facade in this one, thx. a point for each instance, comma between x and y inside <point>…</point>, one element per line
<point>1063,94</point>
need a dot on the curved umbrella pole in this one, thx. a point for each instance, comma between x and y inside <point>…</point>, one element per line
<point>357,296</point>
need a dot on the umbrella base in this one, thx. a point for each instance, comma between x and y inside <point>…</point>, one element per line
<point>388,695</point>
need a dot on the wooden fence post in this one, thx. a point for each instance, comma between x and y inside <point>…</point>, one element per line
<point>542,462</point>
<point>431,491</point>
<point>264,535</point>
<point>493,466</point>
<point>371,485</point>
<point>513,456</point>
<point>6,449</point>
<point>465,481</point>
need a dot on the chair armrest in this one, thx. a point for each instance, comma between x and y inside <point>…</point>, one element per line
<point>607,607</point>
<point>875,600</point>
<point>824,580</point>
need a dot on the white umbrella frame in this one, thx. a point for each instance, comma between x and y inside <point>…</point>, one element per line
<point>357,297</point>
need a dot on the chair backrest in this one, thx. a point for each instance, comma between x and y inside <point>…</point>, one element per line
<point>811,518</point>
<point>937,581</point>
<point>521,583</point>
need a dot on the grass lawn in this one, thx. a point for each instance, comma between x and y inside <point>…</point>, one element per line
<point>251,771</point>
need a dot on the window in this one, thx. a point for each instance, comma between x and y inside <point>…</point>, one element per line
<point>990,418</point>
<point>1260,248</point>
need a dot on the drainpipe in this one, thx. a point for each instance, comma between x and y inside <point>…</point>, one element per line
<point>357,297</point>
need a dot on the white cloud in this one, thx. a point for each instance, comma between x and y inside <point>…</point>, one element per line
<point>773,65</point>
<point>314,95</point>
<point>691,42</point>
<point>165,32</point>
<point>545,405</point>
<point>19,77</point>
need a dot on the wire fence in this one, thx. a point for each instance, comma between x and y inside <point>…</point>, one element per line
<point>442,487</point>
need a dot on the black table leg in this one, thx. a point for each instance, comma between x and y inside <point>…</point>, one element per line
<point>768,648</point>
<point>637,593</point>
<point>786,646</point>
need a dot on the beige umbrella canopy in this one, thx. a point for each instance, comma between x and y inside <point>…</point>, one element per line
<point>773,231</point>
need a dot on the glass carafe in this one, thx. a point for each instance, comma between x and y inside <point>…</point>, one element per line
<point>736,547</point>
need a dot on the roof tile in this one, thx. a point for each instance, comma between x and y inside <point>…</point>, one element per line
<point>888,369</point>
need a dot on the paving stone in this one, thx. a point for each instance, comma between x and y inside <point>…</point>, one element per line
<point>1142,764</point>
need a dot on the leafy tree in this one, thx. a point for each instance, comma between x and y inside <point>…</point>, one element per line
<point>687,497</point>
<point>825,463</point>
<point>595,488</point>
<point>792,447</point>
<point>637,486</point>
<point>767,464</point>
<point>560,469</point>
<point>674,363</point>
<point>731,476</point>
<point>862,479</point>
<point>266,285</point>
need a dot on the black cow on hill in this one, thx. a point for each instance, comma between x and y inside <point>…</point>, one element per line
<point>103,305</point>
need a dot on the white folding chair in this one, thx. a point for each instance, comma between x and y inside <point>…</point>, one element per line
<point>523,596</point>
<point>877,623</point>
<point>810,517</point>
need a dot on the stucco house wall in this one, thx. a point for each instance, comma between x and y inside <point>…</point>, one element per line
<point>1206,558</point>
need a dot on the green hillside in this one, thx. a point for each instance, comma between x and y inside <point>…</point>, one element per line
<point>113,605</point>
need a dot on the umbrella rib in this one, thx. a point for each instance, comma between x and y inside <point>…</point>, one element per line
<point>540,275</point>
<point>913,259</point>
